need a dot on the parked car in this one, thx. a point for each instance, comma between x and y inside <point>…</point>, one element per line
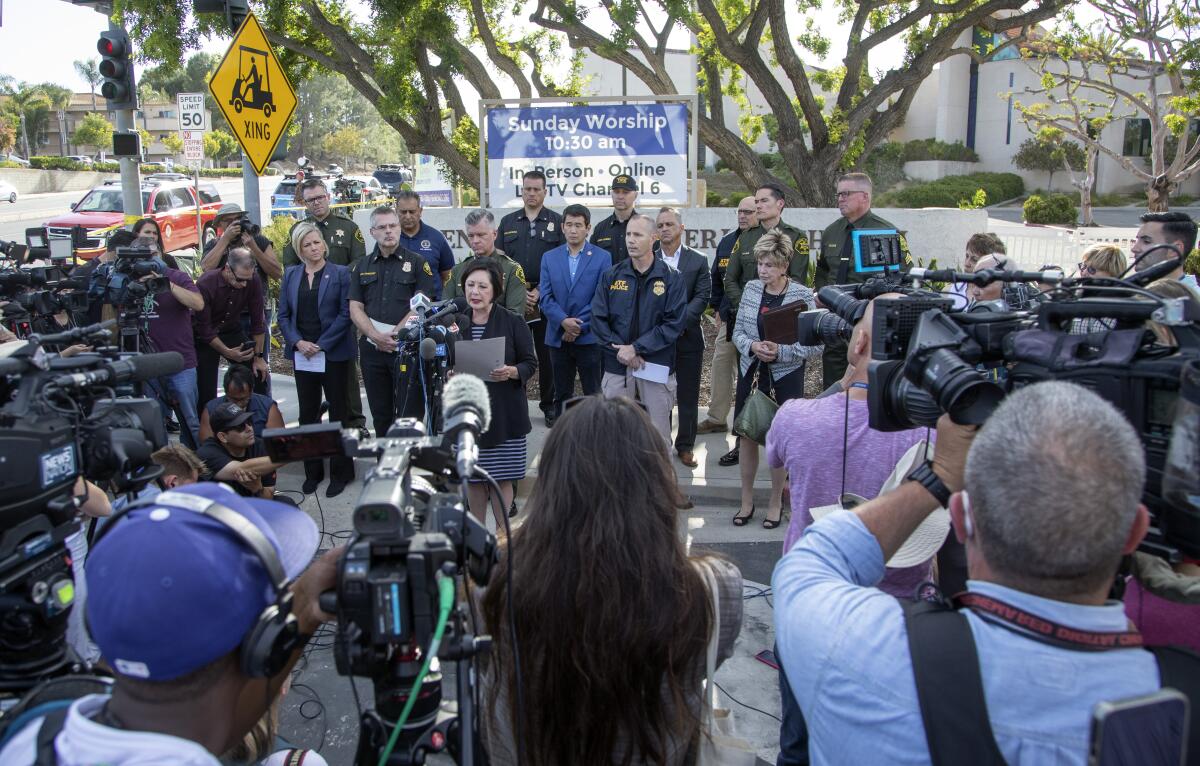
<point>283,199</point>
<point>82,159</point>
<point>172,203</point>
<point>8,191</point>
<point>14,158</point>
<point>359,189</point>
<point>393,177</point>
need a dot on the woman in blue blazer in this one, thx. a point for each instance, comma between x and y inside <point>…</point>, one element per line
<point>314,317</point>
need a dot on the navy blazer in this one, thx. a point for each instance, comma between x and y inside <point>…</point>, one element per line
<point>333,306</point>
<point>561,299</point>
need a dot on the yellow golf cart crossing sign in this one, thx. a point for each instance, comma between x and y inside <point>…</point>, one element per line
<point>253,93</point>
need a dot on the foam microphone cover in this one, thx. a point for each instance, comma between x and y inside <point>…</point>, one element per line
<point>428,349</point>
<point>467,391</point>
<point>150,366</point>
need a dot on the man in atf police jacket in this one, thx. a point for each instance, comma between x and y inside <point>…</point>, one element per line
<point>637,316</point>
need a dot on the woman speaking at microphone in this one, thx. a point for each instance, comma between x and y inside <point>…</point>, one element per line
<point>314,317</point>
<point>502,446</point>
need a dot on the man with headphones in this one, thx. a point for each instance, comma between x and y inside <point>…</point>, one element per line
<point>200,601</point>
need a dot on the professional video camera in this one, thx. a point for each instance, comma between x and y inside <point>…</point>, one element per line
<point>929,359</point>
<point>36,294</point>
<point>396,587</point>
<point>60,421</point>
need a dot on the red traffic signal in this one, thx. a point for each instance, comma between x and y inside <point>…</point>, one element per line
<point>117,70</point>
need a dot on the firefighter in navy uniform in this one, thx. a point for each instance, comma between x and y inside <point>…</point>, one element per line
<point>835,266</point>
<point>609,234</point>
<point>525,236</point>
<point>381,286</point>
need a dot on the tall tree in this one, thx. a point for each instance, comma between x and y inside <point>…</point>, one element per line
<point>408,59</point>
<point>89,71</point>
<point>94,131</point>
<point>1137,63</point>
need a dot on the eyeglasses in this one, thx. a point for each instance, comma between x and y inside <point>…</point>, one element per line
<point>845,194</point>
<point>1084,268</point>
<point>311,200</point>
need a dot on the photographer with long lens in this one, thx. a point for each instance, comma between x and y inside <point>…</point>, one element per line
<point>612,673</point>
<point>201,602</point>
<point>1046,519</point>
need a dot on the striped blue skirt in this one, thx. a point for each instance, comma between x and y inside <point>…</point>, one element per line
<point>505,462</point>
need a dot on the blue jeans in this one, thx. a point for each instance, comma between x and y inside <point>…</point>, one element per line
<point>183,386</point>
<point>793,732</point>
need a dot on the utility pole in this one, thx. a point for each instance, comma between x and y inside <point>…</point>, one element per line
<point>250,190</point>
<point>131,182</point>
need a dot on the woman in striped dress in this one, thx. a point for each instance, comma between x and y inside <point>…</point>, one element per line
<point>502,446</point>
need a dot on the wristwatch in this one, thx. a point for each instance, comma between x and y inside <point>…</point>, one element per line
<point>924,475</point>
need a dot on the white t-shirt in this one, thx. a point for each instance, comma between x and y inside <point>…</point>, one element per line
<point>83,742</point>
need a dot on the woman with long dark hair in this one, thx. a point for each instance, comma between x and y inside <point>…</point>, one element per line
<point>611,613</point>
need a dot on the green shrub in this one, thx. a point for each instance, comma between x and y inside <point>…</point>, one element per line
<point>926,149</point>
<point>56,163</point>
<point>10,164</point>
<point>885,165</point>
<point>1192,264</point>
<point>712,199</point>
<point>1054,208</point>
<point>107,166</point>
<point>949,191</point>
<point>221,172</point>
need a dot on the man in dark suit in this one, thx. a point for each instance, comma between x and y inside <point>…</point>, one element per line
<point>689,349</point>
<point>570,274</point>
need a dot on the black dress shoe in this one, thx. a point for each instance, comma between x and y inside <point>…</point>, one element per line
<point>550,418</point>
<point>335,488</point>
<point>310,486</point>
<point>731,457</point>
<point>172,426</point>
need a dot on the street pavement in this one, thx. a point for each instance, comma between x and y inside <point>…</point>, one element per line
<point>331,726</point>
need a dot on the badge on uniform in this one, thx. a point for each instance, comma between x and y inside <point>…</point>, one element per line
<point>550,226</point>
<point>659,287</point>
<point>407,266</point>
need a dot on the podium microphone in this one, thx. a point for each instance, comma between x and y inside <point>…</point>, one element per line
<point>466,414</point>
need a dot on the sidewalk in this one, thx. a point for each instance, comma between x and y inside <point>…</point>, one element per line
<point>714,489</point>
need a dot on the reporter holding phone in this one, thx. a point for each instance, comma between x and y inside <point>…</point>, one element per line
<point>314,317</point>
<point>229,292</point>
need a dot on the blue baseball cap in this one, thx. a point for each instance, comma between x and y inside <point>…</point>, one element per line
<point>170,589</point>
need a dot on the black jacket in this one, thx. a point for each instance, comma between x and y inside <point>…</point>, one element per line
<point>646,310</point>
<point>693,270</point>
<point>510,410</point>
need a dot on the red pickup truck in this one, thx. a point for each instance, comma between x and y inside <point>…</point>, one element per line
<point>168,199</point>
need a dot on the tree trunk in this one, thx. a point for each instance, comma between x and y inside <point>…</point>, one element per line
<point>1158,193</point>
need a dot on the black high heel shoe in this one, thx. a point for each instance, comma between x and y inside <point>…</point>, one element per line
<point>739,520</point>
<point>769,523</point>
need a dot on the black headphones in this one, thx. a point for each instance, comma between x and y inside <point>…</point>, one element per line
<point>275,634</point>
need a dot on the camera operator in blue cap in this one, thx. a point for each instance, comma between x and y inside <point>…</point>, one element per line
<point>200,601</point>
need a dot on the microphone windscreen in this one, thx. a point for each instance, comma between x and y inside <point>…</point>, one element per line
<point>460,304</point>
<point>150,366</point>
<point>428,349</point>
<point>469,391</point>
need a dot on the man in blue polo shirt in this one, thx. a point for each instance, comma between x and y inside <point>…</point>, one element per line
<point>423,239</point>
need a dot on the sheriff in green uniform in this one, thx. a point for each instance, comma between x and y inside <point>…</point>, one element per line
<point>743,266</point>
<point>481,238</point>
<point>835,266</point>
<point>342,236</point>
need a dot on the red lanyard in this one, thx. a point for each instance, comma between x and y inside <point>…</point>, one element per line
<point>1046,631</point>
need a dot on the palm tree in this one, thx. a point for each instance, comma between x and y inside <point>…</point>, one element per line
<point>89,72</point>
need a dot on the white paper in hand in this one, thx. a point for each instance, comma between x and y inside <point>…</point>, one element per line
<point>655,373</point>
<point>314,363</point>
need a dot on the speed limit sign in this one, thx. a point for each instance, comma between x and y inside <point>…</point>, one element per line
<point>191,125</point>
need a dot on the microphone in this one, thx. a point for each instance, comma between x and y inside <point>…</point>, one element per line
<point>420,303</point>
<point>448,307</point>
<point>466,413</point>
<point>428,349</point>
<point>141,367</point>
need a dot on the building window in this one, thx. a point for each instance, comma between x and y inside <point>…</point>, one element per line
<point>1137,138</point>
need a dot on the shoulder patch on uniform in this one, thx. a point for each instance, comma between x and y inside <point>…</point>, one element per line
<point>358,234</point>
<point>428,271</point>
<point>520,273</point>
<point>802,244</point>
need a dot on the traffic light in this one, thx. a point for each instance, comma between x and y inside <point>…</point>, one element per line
<point>116,67</point>
<point>235,11</point>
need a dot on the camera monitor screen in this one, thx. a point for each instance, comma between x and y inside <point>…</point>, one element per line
<point>877,250</point>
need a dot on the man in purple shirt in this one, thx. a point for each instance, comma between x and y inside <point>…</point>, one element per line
<point>170,329</point>
<point>229,292</point>
<point>838,424</point>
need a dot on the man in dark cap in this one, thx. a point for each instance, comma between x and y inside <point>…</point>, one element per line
<point>609,234</point>
<point>233,455</point>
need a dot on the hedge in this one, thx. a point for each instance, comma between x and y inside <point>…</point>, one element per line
<point>111,166</point>
<point>1055,208</point>
<point>949,191</point>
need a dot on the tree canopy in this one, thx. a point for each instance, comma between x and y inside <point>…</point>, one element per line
<point>415,60</point>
